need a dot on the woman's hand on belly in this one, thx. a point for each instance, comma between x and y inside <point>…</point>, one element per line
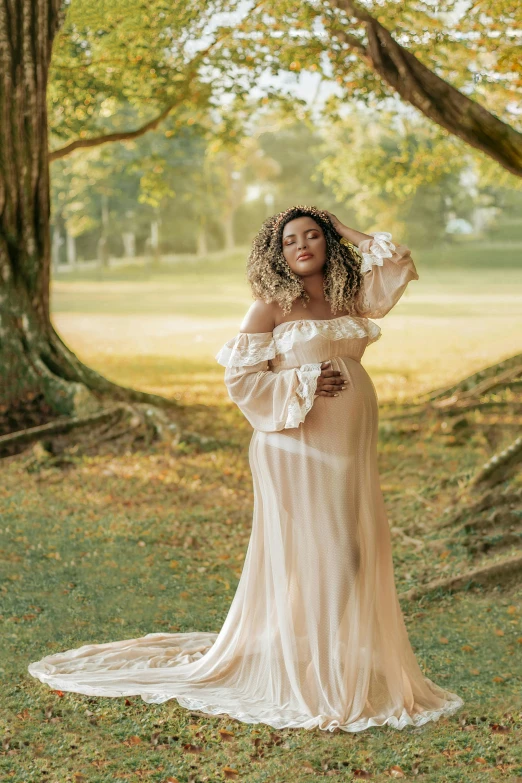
<point>330,382</point>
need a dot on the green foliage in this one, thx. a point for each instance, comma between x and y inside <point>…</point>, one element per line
<point>241,141</point>
<point>400,171</point>
<point>119,54</point>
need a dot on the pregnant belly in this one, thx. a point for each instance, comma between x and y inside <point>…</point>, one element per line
<point>337,431</point>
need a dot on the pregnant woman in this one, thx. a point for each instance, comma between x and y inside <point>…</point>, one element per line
<point>314,637</point>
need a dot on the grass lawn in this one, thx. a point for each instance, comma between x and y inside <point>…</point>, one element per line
<point>117,547</point>
<point>152,328</point>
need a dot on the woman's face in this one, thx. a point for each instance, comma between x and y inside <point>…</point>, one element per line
<point>304,246</point>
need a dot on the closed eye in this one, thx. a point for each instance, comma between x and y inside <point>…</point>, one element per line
<point>312,234</point>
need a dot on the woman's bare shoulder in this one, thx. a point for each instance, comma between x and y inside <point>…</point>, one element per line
<point>260,317</point>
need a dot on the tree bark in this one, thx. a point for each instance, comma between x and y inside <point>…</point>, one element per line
<point>27,29</point>
<point>435,98</point>
<point>36,367</point>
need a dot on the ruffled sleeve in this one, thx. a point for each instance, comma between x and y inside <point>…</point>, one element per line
<point>387,269</point>
<point>270,401</point>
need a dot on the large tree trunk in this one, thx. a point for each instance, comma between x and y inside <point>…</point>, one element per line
<point>37,370</point>
<point>27,29</point>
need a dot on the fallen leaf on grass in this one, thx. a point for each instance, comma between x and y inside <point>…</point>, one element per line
<point>506,768</point>
<point>496,728</point>
<point>455,751</point>
<point>225,735</point>
<point>230,774</point>
<point>396,772</point>
<point>134,740</point>
<point>172,780</point>
<point>361,774</point>
<point>59,693</point>
<point>443,640</point>
<point>192,748</point>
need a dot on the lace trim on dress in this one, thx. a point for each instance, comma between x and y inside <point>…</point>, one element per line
<point>292,720</point>
<point>379,248</point>
<point>301,403</point>
<point>248,348</point>
<point>343,327</point>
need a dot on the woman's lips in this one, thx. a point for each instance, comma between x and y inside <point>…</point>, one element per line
<point>304,256</point>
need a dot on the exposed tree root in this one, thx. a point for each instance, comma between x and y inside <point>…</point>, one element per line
<point>494,574</point>
<point>129,424</point>
<point>464,395</point>
<point>471,381</point>
<point>500,380</point>
<point>501,466</point>
<point>493,498</point>
<point>45,380</point>
<point>59,427</point>
<point>65,364</point>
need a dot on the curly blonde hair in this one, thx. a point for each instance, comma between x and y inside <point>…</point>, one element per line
<point>272,280</point>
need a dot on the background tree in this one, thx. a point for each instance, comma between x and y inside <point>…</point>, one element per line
<point>445,59</point>
<point>120,69</point>
<point>399,171</point>
<point>109,60</point>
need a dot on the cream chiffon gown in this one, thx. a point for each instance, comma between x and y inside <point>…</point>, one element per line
<point>314,637</point>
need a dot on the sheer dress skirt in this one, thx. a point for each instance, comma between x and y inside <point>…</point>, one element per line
<point>314,636</point>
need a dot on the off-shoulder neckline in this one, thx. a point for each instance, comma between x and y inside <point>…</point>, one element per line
<point>312,320</point>
<point>309,320</point>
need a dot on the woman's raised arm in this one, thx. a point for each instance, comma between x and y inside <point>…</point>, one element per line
<point>387,269</point>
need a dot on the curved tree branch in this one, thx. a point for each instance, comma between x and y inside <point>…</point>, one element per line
<point>96,141</point>
<point>435,98</point>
